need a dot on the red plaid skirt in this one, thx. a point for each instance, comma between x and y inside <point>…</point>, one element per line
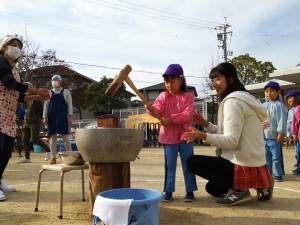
<point>251,177</point>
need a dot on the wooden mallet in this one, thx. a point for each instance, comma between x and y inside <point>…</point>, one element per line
<point>117,82</point>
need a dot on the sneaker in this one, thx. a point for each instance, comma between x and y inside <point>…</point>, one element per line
<point>24,160</point>
<point>5,188</point>
<point>189,197</point>
<point>235,197</point>
<point>295,172</point>
<point>266,193</point>
<point>48,156</point>
<point>20,155</point>
<point>2,196</point>
<point>278,179</point>
<point>167,197</point>
<point>53,161</point>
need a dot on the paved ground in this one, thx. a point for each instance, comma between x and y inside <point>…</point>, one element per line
<point>146,172</point>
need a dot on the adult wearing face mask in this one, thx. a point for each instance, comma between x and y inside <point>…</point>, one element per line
<point>11,91</point>
<point>57,115</point>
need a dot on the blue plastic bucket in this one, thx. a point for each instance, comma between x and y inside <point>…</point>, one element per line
<point>37,148</point>
<point>60,145</point>
<point>144,208</point>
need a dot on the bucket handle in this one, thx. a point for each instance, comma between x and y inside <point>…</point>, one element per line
<point>141,219</point>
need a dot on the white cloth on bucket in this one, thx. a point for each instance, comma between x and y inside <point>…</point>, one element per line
<point>112,211</point>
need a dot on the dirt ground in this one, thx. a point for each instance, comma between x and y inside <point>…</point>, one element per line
<point>146,172</point>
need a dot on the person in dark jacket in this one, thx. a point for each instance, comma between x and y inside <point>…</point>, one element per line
<point>31,127</point>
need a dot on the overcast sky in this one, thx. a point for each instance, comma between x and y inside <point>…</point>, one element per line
<point>150,35</point>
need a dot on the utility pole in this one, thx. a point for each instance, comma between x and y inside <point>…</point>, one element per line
<point>222,37</point>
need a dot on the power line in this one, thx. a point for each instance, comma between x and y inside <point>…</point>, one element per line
<point>156,16</point>
<point>117,68</point>
<point>169,12</point>
<point>105,18</point>
<point>130,42</point>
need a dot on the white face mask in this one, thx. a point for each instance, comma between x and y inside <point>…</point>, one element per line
<point>55,84</point>
<point>13,52</point>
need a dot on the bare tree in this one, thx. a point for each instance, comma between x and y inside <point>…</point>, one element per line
<point>33,58</point>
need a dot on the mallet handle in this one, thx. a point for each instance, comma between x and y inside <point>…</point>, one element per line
<point>142,97</point>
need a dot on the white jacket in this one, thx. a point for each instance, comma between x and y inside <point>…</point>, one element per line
<point>240,132</point>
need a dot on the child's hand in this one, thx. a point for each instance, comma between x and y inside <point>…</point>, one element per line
<point>70,120</point>
<point>280,138</point>
<point>295,137</point>
<point>265,124</point>
<point>149,106</point>
<point>45,121</point>
<point>165,121</point>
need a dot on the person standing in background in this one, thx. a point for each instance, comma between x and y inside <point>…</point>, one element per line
<point>293,99</point>
<point>31,127</point>
<point>295,130</point>
<point>19,121</point>
<point>57,115</point>
<point>11,91</point>
<point>274,129</point>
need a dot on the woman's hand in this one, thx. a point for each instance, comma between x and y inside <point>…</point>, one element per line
<point>44,93</point>
<point>194,134</point>
<point>198,118</point>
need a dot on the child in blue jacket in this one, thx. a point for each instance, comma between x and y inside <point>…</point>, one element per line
<point>274,129</point>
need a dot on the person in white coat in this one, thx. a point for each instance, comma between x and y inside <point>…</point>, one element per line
<point>239,134</point>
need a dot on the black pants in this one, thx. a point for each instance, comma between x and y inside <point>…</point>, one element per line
<point>218,171</point>
<point>32,135</point>
<point>6,147</point>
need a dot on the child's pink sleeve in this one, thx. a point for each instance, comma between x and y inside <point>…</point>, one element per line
<point>159,105</point>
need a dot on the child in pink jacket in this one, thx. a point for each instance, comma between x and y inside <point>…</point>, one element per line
<point>296,137</point>
<point>175,106</point>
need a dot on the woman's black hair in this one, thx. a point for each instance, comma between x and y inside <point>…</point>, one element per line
<point>230,73</point>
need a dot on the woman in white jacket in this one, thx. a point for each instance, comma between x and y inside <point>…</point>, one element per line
<point>242,164</point>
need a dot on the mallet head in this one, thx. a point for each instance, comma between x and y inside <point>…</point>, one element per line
<point>117,82</point>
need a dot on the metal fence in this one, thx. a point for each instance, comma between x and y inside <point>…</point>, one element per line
<point>151,130</point>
